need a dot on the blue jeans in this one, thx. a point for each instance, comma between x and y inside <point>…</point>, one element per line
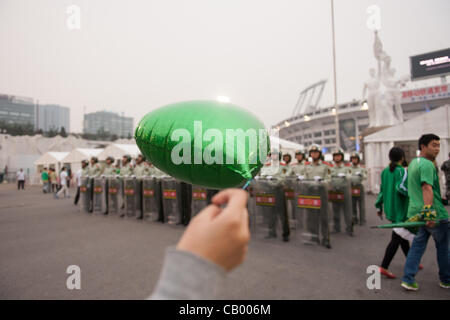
<point>441,238</point>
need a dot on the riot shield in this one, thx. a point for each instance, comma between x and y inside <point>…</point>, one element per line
<point>99,195</point>
<point>358,201</point>
<point>199,199</point>
<point>151,199</point>
<point>267,214</point>
<point>340,198</point>
<point>132,194</point>
<point>86,193</point>
<point>171,195</point>
<point>295,214</point>
<point>312,199</point>
<point>114,187</point>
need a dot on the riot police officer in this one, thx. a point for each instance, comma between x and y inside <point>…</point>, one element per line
<point>317,169</point>
<point>94,169</point>
<point>358,175</point>
<point>141,169</point>
<point>273,171</point>
<point>340,175</point>
<point>84,167</point>
<point>298,168</point>
<point>127,167</point>
<point>109,167</point>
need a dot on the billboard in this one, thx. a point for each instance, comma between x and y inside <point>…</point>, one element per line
<point>432,64</point>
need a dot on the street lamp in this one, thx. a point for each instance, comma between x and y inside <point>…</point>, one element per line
<point>338,142</point>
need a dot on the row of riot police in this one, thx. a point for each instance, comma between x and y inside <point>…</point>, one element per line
<point>139,192</point>
<point>294,199</point>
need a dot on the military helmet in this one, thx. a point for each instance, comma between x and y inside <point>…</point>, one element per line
<point>314,147</point>
<point>300,152</point>
<point>338,151</point>
<point>355,155</point>
<point>128,157</point>
<point>84,161</point>
<point>110,159</point>
<point>142,156</point>
<point>95,159</point>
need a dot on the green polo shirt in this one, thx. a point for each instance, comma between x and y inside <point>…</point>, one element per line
<point>421,171</point>
<point>44,176</point>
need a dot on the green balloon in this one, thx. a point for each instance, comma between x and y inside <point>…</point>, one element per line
<point>206,143</point>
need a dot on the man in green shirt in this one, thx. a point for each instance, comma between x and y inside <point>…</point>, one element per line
<point>425,202</point>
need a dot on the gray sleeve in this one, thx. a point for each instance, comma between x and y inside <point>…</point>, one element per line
<point>185,276</point>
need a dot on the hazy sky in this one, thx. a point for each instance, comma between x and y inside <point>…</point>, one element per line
<point>134,56</point>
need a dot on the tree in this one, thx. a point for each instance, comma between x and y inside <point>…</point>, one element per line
<point>63,133</point>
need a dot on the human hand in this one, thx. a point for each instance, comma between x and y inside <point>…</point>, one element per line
<point>220,235</point>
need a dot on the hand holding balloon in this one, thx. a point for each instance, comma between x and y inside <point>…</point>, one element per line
<point>220,235</point>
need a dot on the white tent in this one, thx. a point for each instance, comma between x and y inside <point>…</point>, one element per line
<point>117,151</point>
<point>285,146</point>
<point>73,158</point>
<point>406,136</point>
<point>50,159</point>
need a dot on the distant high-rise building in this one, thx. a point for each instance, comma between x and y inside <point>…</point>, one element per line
<point>108,122</point>
<point>52,117</point>
<point>17,110</point>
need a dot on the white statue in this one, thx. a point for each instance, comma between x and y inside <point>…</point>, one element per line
<point>373,86</point>
<point>384,99</point>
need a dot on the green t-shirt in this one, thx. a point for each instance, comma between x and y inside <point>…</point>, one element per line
<point>421,171</point>
<point>44,176</point>
<point>393,196</point>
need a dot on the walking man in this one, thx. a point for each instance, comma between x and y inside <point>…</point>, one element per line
<point>63,181</point>
<point>425,202</point>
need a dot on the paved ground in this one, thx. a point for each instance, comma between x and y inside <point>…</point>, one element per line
<point>121,259</point>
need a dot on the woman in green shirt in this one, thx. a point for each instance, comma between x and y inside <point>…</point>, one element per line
<point>393,197</point>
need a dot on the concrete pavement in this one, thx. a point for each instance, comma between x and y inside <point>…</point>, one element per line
<point>121,259</point>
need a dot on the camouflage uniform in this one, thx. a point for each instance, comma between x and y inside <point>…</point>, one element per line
<point>358,175</point>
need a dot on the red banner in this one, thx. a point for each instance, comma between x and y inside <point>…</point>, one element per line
<point>265,199</point>
<point>98,189</point>
<point>170,194</point>
<point>309,202</point>
<point>112,190</point>
<point>199,194</point>
<point>356,192</point>
<point>129,192</point>
<point>336,196</point>
<point>148,192</point>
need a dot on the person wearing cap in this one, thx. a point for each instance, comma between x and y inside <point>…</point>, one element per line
<point>286,168</point>
<point>94,169</point>
<point>317,169</point>
<point>273,171</point>
<point>127,167</point>
<point>358,175</point>
<point>298,168</point>
<point>339,174</point>
<point>109,169</point>
<point>141,169</point>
